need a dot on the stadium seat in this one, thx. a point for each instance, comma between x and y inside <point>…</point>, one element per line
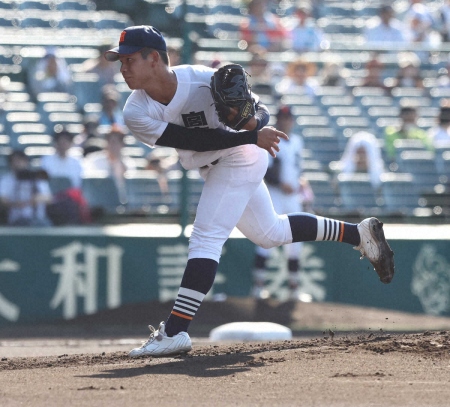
<point>421,164</point>
<point>387,112</point>
<point>399,195</point>
<point>101,194</point>
<point>326,200</point>
<point>297,100</point>
<point>112,23</point>
<point>306,110</point>
<point>402,145</point>
<point>8,22</point>
<point>323,91</point>
<point>312,121</point>
<point>312,165</point>
<point>75,5</point>
<point>34,22</point>
<point>34,5</point>
<point>145,195</point>
<point>16,96</point>
<point>87,88</point>
<point>324,148</point>
<point>357,193</point>
<point>13,118</point>
<point>344,111</point>
<point>337,100</point>
<point>65,119</point>
<point>442,159</point>
<point>59,184</point>
<point>29,140</point>
<point>75,23</point>
<point>6,5</point>
<point>370,101</point>
<point>408,92</point>
<point>28,128</point>
<point>368,91</point>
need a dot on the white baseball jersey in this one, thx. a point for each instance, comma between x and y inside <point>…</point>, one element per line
<point>191,107</point>
<point>234,194</point>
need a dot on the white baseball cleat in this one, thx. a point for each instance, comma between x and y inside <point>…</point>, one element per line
<point>375,247</point>
<point>159,344</point>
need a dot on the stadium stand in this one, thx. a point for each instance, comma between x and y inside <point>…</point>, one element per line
<point>76,28</point>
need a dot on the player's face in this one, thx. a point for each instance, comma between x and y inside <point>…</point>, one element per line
<point>136,71</point>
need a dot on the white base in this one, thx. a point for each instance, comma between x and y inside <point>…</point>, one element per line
<point>250,331</point>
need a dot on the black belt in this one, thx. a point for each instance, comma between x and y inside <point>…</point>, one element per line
<point>213,163</point>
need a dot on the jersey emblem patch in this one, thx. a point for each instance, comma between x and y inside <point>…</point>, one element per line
<point>194,119</point>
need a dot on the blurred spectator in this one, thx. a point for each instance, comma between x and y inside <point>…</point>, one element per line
<point>385,29</point>
<point>419,22</point>
<point>305,36</point>
<point>440,134</point>
<point>99,65</point>
<point>409,73</point>
<point>111,111</point>
<point>261,77</point>
<point>258,68</point>
<point>50,74</point>
<point>374,76</point>
<point>111,161</point>
<point>90,139</point>
<point>24,192</point>
<point>408,129</point>
<point>298,78</point>
<point>420,25</point>
<point>333,73</point>
<point>362,153</point>
<point>262,27</point>
<point>61,164</point>
<point>444,21</point>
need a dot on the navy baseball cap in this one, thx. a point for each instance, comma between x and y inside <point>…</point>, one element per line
<point>135,38</point>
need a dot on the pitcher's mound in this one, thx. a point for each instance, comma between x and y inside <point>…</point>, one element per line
<point>250,331</point>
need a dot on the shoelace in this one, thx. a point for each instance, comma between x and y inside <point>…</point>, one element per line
<point>154,334</point>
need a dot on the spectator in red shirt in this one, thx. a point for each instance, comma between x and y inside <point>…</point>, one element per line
<point>263,28</point>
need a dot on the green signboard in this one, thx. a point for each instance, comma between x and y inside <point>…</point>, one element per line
<point>67,272</point>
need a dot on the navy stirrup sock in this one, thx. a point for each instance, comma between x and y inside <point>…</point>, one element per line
<point>309,228</point>
<point>198,279</point>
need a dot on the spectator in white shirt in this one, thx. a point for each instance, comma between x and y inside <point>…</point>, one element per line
<point>362,154</point>
<point>444,21</point>
<point>385,29</point>
<point>111,161</point>
<point>62,164</point>
<point>50,74</point>
<point>305,35</point>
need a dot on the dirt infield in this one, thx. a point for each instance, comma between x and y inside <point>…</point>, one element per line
<point>366,365</point>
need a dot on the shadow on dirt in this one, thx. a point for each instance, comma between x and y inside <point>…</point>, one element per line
<point>199,366</point>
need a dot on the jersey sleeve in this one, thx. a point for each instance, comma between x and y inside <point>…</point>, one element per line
<point>262,115</point>
<point>143,127</point>
<point>203,139</point>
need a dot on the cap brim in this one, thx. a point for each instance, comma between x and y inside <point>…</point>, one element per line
<point>115,53</point>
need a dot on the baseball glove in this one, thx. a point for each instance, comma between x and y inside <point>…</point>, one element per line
<point>231,93</point>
